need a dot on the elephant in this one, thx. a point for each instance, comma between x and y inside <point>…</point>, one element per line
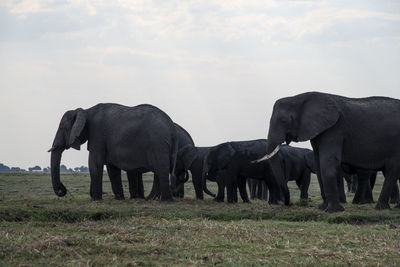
<point>258,189</point>
<point>193,158</point>
<point>136,182</point>
<point>296,164</point>
<point>231,162</point>
<point>135,139</point>
<point>359,132</point>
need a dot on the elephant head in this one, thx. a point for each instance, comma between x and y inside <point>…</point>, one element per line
<point>71,133</point>
<point>185,158</point>
<point>300,118</point>
<point>218,158</point>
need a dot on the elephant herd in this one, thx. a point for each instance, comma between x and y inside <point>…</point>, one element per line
<point>350,137</point>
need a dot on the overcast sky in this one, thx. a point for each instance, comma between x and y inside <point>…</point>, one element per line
<point>216,67</point>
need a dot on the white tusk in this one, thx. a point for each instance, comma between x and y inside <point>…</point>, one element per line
<point>268,156</point>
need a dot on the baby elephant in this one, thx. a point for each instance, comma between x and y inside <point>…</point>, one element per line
<point>297,165</point>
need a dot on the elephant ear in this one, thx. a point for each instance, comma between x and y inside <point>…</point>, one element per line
<point>319,113</point>
<point>309,159</point>
<point>77,128</point>
<point>188,154</point>
<point>225,154</point>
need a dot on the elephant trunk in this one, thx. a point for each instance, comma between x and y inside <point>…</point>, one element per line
<point>58,187</point>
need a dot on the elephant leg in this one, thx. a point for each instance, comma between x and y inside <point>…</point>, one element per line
<point>368,196</point>
<point>304,185</point>
<point>340,184</point>
<point>96,177</point>
<point>330,166</point>
<point>327,159</point>
<point>273,189</point>
<point>242,189</point>
<point>166,194</point>
<point>230,188</point>
<point>347,177</point>
<point>280,178</point>
<point>179,190</point>
<point>198,185</point>
<point>359,197</point>
<point>259,188</point>
<point>252,187</point>
<point>136,188</point>
<point>234,192</point>
<point>274,195</point>
<point>372,179</point>
<point>354,184</point>
<point>155,192</point>
<point>324,203</point>
<point>116,183</point>
<point>391,177</point>
<point>221,190</point>
<point>132,181</point>
<point>394,196</point>
<point>140,186</point>
<point>264,191</point>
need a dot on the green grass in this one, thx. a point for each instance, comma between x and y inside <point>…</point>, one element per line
<point>38,228</point>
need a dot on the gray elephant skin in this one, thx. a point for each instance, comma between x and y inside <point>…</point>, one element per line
<point>135,139</point>
<point>358,132</point>
<point>296,164</point>
<point>136,182</point>
<point>189,158</point>
<point>231,163</point>
<point>193,158</point>
<point>362,183</point>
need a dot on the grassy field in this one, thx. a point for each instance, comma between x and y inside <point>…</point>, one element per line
<point>38,228</point>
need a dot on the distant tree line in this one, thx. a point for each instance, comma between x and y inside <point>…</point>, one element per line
<point>63,169</point>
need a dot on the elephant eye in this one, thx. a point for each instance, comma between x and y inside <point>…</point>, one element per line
<point>284,119</point>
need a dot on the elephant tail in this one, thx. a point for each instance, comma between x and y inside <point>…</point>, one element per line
<point>208,192</point>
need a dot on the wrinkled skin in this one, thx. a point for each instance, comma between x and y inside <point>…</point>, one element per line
<point>134,139</point>
<point>340,132</point>
<point>136,188</point>
<point>232,162</point>
<point>297,164</point>
<point>189,158</point>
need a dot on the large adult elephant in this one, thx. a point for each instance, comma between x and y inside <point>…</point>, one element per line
<point>359,132</point>
<point>136,181</point>
<point>140,138</point>
<point>189,158</point>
